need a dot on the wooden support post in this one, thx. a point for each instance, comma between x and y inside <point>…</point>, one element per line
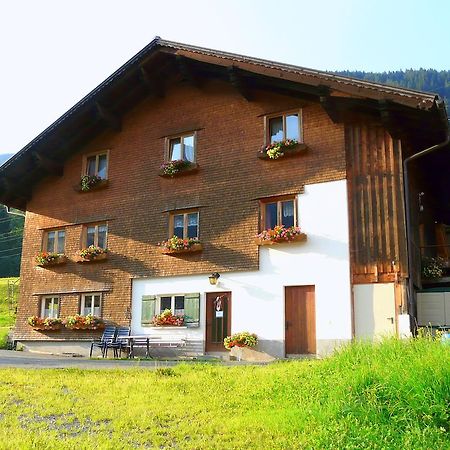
<point>238,82</point>
<point>108,117</point>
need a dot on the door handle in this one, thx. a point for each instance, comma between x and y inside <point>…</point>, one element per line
<point>391,319</point>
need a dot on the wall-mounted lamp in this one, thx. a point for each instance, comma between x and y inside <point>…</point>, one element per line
<point>214,277</point>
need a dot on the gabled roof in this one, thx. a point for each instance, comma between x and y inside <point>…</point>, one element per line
<point>144,74</point>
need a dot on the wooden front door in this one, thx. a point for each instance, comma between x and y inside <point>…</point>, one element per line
<point>218,320</point>
<point>300,320</point>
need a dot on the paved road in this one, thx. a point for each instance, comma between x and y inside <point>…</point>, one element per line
<point>27,360</point>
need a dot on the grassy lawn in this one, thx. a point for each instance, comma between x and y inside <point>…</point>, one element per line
<point>7,318</point>
<point>391,396</point>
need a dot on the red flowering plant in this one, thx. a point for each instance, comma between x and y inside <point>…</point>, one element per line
<point>276,150</point>
<point>280,234</point>
<point>242,339</point>
<point>42,323</point>
<point>171,168</point>
<point>92,252</point>
<point>166,318</point>
<point>78,322</point>
<point>178,244</point>
<point>44,258</point>
<point>89,181</point>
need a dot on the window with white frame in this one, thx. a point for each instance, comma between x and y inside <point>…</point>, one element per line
<point>91,304</point>
<point>96,235</point>
<point>54,241</point>
<point>182,148</point>
<point>96,164</point>
<point>284,126</point>
<point>50,307</point>
<point>187,305</point>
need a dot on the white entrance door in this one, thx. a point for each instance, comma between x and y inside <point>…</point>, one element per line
<point>374,310</point>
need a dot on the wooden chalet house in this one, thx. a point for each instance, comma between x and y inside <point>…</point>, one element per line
<point>180,142</point>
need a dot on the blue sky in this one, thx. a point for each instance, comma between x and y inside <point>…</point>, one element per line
<point>54,52</point>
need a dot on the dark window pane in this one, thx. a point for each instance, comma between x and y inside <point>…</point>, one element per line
<point>271,215</point>
<point>175,149</point>
<point>90,167</point>
<point>90,236</point>
<point>287,213</point>
<point>61,241</point>
<point>166,303</point>
<point>51,241</point>
<point>188,142</point>
<point>192,225</point>
<point>178,225</point>
<point>179,304</point>
<point>292,129</point>
<point>276,129</point>
<point>102,166</point>
<point>102,236</point>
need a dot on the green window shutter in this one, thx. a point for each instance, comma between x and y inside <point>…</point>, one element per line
<point>192,308</point>
<point>148,309</point>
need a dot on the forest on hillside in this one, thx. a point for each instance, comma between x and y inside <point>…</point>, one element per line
<point>11,226</point>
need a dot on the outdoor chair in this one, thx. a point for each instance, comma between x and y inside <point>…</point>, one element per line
<point>119,342</point>
<point>108,336</point>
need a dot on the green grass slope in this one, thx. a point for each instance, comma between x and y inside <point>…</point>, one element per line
<point>7,316</point>
<point>390,396</point>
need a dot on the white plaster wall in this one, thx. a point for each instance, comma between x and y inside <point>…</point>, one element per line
<point>258,297</point>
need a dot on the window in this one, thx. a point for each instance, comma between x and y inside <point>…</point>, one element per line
<point>96,235</point>
<point>90,304</point>
<point>50,307</point>
<point>96,165</point>
<point>280,211</point>
<point>182,148</point>
<point>285,126</point>
<point>54,241</point>
<point>184,224</point>
<point>187,305</point>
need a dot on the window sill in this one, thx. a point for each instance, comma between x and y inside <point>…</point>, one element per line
<point>60,260</point>
<point>52,328</point>
<point>96,187</point>
<point>294,151</point>
<point>192,169</point>
<point>193,249</point>
<point>86,327</point>
<point>299,238</point>
<point>97,258</point>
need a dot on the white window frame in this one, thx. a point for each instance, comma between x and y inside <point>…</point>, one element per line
<point>96,225</point>
<point>172,302</point>
<point>181,137</point>
<point>267,139</point>
<point>52,298</point>
<point>83,303</point>
<point>97,155</point>
<point>55,245</point>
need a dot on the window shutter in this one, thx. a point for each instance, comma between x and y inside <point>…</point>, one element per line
<point>148,309</point>
<point>192,308</point>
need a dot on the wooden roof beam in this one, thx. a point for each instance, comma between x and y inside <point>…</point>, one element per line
<point>389,121</point>
<point>238,82</point>
<point>111,120</point>
<point>51,166</point>
<point>154,86</point>
<point>187,71</point>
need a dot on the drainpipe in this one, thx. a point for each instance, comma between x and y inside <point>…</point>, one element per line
<point>410,293</point>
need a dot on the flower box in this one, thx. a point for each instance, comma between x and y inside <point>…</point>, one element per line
<point>284,152</point>
<point>45,259</point>
<point>45,324</point>
<point>90,186</point>
<point>88,322</point>
<point>177,168</point>
<point>280,235</point>
<point>176,245</point>
<point>167,319</point>
<point>92,254</point>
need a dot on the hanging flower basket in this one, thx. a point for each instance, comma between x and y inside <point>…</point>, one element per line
<point>45,324</point>
<point>88,322</point>
<point>177,167</point>
<point>92,253</point>
<point>176,245</point>
<point>285,148</point>
<point>167,319</point>
<point>46,259</point>
<point>279,235</point>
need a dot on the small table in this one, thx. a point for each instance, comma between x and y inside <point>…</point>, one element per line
<point>137,339</point>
